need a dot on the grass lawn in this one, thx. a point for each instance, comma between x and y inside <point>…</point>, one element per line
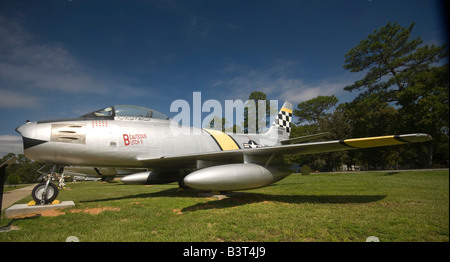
<point>393,206</point>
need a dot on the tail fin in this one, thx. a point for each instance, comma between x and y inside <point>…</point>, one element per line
<point>281,127</point>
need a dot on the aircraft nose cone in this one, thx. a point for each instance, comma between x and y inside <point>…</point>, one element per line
<point>27,130</point>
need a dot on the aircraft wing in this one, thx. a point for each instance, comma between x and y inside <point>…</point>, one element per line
<point>237,156</point>
<point>347,144</point>
<point>297,140</point>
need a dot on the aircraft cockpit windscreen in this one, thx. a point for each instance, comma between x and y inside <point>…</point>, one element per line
<point>126,112</point>
<point>139,112</point>
<point>105,112</point>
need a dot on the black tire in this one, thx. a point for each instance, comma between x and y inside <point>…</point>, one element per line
<point>52,193</point>
<point>182,185</point>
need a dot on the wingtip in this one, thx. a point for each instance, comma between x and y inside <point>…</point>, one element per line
<point>418,137</point>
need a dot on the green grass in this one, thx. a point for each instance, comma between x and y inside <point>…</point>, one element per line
<point>393,206</point>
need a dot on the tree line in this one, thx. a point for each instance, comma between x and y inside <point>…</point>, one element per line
<point>24,171</point>
<point>404,90</point>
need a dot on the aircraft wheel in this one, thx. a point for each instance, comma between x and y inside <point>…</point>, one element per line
<point>52,192</point>
<point>182,185</point>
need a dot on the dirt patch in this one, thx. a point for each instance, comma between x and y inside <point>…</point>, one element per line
<point>55,212</point>
<point>44,213</point>
<point>94,211</point>
<point>51,213</point>
<point>177,211</point>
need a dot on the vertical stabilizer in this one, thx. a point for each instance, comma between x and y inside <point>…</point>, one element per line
<point>281,127</point>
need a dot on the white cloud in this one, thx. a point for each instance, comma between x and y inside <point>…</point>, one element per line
<point>10,144</point>
<point>278,82</point>
<point>296,90</point>
<point>10,99</point>
<point>30,67</point>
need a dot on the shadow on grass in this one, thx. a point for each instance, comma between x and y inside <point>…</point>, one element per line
<point>242,198</point>
<point>172,192</point>
<point>252,198</point>
<point>391,173</point>
<point>10,225</point>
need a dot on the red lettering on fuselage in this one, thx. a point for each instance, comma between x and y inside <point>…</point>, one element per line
<point>134,139</point>
<point>126,140</point>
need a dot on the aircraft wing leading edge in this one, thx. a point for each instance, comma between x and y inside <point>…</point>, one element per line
<point>237,156</point>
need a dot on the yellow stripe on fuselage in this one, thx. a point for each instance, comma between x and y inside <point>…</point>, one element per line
<point>373,142</point>
<point>223,140</point>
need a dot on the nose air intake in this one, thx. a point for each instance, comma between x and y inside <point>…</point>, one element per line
<point>28,132</point>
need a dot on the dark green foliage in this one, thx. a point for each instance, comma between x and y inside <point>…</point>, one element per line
<point>314,109</point>
<point>404,90</point>
<point>23,171</point>
<point>391,60</point>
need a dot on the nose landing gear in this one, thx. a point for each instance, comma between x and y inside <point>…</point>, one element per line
<point>46,192</point>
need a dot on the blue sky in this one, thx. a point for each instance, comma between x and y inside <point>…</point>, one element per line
<point>65,58</point>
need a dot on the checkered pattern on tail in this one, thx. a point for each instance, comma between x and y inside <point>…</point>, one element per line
<point>281,126</point>
<point>284,119</point>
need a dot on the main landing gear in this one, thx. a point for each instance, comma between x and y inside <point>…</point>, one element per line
<point>46,192</point>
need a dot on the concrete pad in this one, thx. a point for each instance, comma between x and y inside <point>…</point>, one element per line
<point>23,209</point>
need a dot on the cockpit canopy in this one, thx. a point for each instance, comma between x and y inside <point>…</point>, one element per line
<point>126,112</point>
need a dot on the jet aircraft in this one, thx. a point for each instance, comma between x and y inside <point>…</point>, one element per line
<point>134,137</point>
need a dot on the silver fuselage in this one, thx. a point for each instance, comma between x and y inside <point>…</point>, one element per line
<point>122,142</point>
<point>125,136</point>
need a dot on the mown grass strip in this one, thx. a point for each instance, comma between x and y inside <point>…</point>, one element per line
<point>393,206</point>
